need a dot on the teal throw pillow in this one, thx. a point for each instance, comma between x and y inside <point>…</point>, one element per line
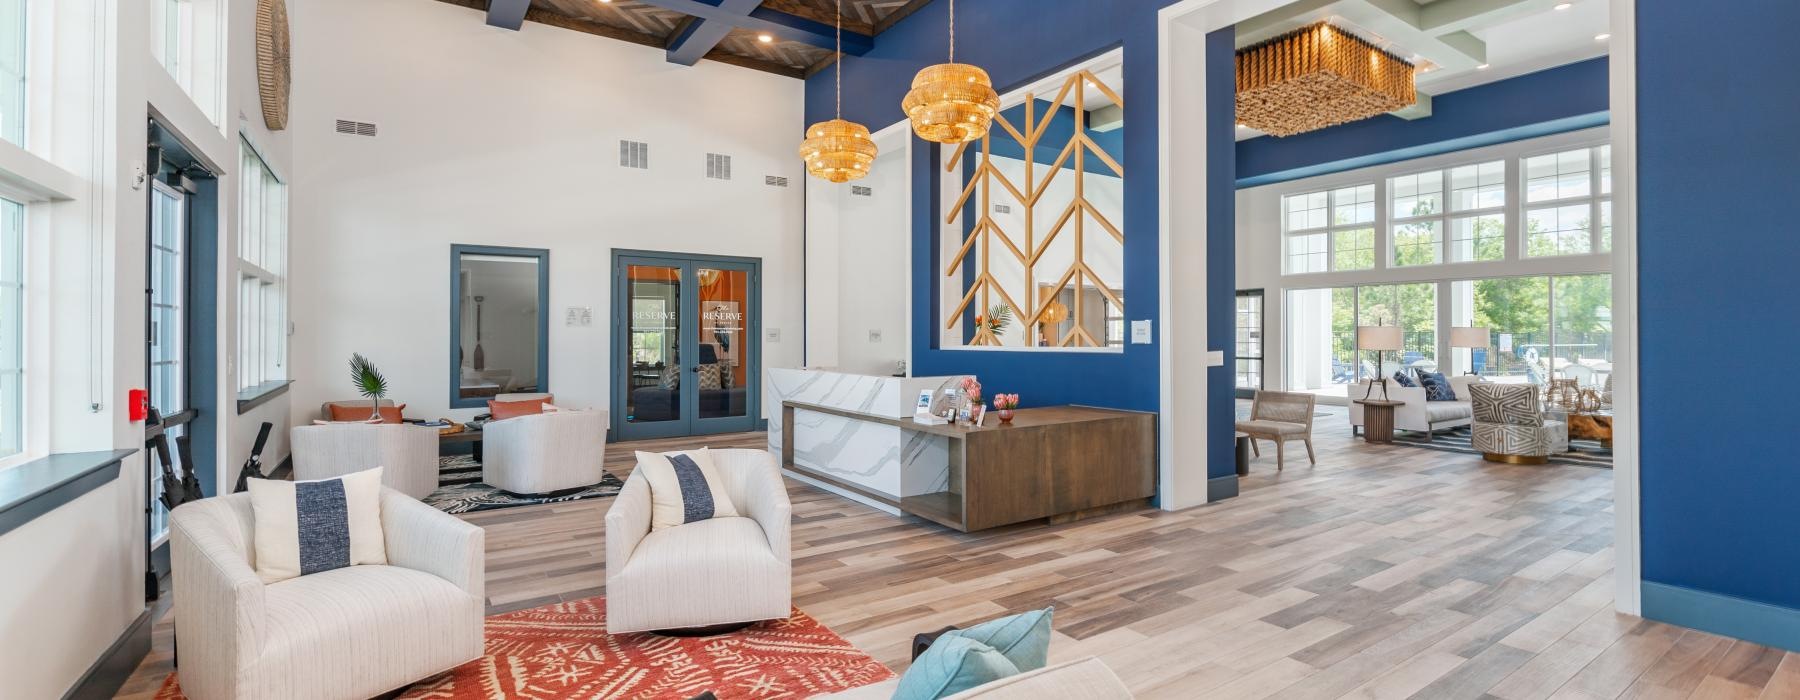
<point>950,666</point>
<point>1024,638</point>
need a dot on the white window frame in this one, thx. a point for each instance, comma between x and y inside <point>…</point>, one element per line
<point>197,60</point>
<point>1331,229</point>
<point>1598,202</point>
<point>260,276</point>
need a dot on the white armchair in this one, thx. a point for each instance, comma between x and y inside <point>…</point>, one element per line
<point>349,633</point>
<point>407,454</point>
<point>545,452</point>
<point>712,572</point>
<point>1418,414</point>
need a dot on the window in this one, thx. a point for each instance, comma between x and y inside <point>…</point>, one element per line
<point>1538,328</point>
<point>12,328</point>
<point>12,71</point>
<point>1467,225</point>
<point>262,287</point>
<point>186,38</point>
<point>1330,230</point>
<point>1565,193</point>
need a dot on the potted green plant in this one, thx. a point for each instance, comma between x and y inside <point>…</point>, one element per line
<point>369,382</point>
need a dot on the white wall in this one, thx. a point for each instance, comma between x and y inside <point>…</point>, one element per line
<point>857,248</point>
<point>496,137</point>
<point>1259,253</point>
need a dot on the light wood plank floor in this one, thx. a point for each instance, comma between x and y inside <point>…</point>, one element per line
<point>1383,572</point>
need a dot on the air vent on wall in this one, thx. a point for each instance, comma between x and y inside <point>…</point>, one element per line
<point>1002,209</point>
<point>718,166</point>
<point>634,154</point>
<point>861,191</point>
<point>355,128</point>
<point>775,181</point>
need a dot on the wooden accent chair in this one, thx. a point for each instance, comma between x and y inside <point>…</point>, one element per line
<point>1280,416</point>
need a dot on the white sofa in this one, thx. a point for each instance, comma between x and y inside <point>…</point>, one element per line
<point>1418,414</point>
<point>349,633</point>
<point>407,454</point>
<point>713,572</point>
<point>1084,679</point>
<point>544,452</point>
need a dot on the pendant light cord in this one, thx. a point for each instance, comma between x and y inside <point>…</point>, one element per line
<point>840,59</point>
<point>952,31</point>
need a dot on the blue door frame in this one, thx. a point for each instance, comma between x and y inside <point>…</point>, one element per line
<point>457,251</point>
<point>687,420</point>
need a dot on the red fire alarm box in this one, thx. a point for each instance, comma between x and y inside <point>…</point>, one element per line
<point>138,401</point>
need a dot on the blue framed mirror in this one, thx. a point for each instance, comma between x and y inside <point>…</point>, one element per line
<point>499,323</point>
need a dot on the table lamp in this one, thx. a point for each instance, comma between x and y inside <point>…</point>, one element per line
<point>1469,337</point>
<point>1381,339</point>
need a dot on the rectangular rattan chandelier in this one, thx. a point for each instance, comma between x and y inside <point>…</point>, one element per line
<point>1315,77</point>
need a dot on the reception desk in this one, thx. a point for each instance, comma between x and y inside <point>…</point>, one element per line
<point>839,449</point>
<point>855,436</point>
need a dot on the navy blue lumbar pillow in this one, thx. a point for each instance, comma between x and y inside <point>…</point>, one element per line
<point>1403,380</point>
<point>1437,388</point>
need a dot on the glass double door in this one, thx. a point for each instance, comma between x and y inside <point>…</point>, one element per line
<point>685,356</point>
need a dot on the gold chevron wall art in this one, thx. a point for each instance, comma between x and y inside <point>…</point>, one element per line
<point>1036,209</point>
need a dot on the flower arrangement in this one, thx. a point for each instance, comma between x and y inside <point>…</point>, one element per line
<point>971,389</point>
<point>996,319</point>
<point>1004,405</point>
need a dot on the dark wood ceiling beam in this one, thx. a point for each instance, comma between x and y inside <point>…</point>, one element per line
<point>755,64</point>
<point>821,64</point>
<point>507,14</point>
<point>894,17</point>
<point>802,9</point>
<point>579,25</point>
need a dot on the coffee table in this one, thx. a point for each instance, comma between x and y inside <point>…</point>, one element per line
<point>469,434</point>
<point>1592,426</point>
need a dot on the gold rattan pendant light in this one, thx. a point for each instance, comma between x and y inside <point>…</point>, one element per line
<point>838,150</point>
<point>951,102</point>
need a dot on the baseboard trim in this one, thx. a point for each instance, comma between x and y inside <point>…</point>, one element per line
<point>109,673</point>
<point>1765,624</point>
<point>1220,488</point>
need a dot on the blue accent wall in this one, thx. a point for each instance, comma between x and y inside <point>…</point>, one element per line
<point>1221,255</point>
<point>1550,101</point>
<point>1018,41</point>
<point>1718,148</point>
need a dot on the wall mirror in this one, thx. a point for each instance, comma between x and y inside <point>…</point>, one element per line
<point>1033,244</point>
<point>499,328</point>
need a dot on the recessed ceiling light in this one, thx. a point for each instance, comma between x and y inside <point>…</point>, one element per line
<point>1602,37</point>
<point>764,38</point>
<point>1483,66</point>
<point>1564,5</point>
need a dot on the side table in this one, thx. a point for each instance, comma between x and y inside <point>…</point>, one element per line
<point>1378,420</point>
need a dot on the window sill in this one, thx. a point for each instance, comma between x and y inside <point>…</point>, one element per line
<point>42,485</point>
<point>260,394</point>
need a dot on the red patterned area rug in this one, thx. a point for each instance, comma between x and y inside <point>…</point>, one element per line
<point>563,651</point>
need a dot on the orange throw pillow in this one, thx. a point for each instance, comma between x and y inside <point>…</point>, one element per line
<point>389,414</point>
<point>503,410</point>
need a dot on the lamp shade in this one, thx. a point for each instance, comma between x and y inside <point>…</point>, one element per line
<point>1378,338</point>
<point>1468,336</point>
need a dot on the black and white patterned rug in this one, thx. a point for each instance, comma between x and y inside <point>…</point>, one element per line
<point>1584,453</point>
<point>460,489</point>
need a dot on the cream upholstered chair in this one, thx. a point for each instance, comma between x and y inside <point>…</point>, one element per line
<point>1280,416</point>
<point>407,454</point>
<point>349,633</point>
<point>1510,425</point>
<point>545,452</point>
<point>712,572</point>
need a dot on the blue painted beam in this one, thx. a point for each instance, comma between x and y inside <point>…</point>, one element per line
<point>778,24</point>
<point>507,14</point>
<point>700,36</point>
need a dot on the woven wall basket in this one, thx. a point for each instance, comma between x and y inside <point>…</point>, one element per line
<point>272,61</point>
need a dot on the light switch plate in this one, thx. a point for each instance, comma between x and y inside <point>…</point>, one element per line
<point>1215,358</point>
<point>772,334</point>
<point>579,316</point>
<point>1140,332</point>
<point>874,335</point>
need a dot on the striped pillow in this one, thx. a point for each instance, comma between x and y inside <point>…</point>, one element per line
<point>684,488</point>
<point>305,527</point>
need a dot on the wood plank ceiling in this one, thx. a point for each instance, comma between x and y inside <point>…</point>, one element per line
<point>727,31</point>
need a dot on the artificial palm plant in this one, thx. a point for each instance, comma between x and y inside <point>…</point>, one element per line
<point>369,382</point>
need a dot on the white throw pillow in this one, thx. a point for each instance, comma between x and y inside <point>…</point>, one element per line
<point>305,527</point>
<point>684,487</point>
